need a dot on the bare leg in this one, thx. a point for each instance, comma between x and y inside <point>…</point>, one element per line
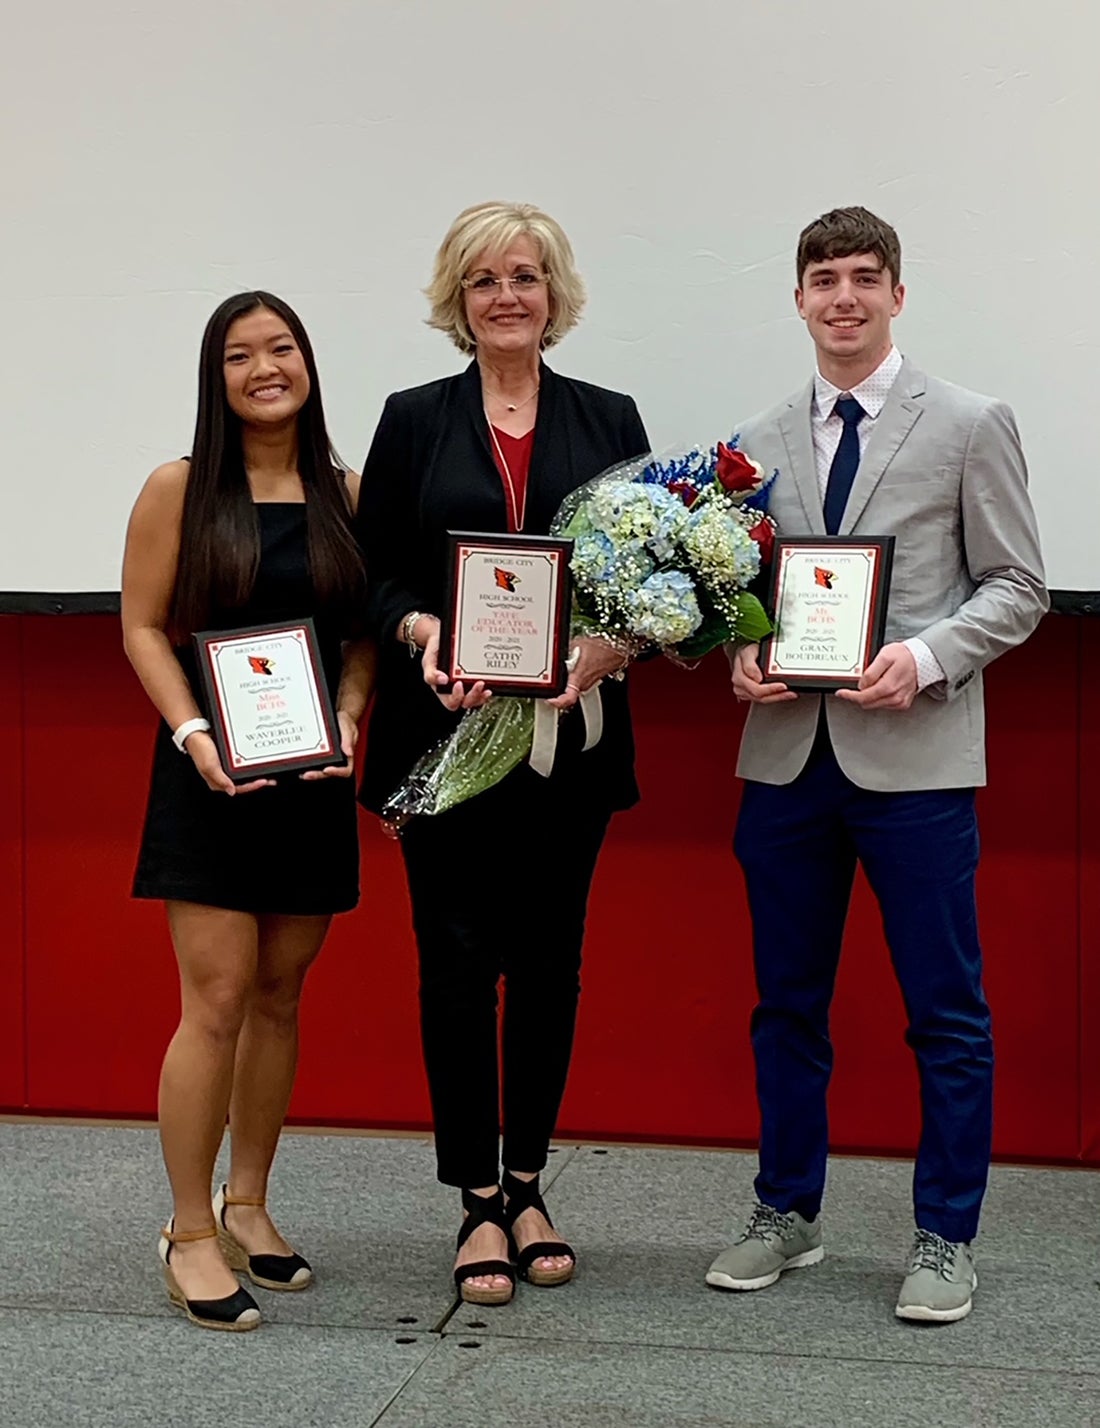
<point>216,951</point>
<point>267,1058</point>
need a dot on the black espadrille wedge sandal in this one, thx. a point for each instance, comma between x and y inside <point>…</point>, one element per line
<point>483,1210</point>
<point>269,1271</point>
<point>524,1195</point>
<point>236,1313</point>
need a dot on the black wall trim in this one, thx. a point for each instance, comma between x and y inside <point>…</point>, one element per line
<point>1075,602</point>
<point>105,602</point>
<point>30,602</point>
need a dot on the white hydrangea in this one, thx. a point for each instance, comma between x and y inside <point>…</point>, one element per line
<point>719,547</point>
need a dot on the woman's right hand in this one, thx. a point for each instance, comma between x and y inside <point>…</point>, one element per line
<point>203,753</point>
<point>457,697</point>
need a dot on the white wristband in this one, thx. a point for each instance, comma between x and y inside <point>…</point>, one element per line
<point>186,729</point>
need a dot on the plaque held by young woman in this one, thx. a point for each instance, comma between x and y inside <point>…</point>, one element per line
<point>269,707</point>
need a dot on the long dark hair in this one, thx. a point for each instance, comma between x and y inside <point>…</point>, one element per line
<point>220,535</point>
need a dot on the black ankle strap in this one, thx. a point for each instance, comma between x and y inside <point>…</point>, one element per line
<point>483,1209</point>
<point>522,1195</point>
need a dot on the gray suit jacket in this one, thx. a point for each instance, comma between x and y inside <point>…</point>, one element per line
<point>943,472</point>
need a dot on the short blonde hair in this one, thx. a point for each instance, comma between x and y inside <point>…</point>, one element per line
<point>493,227</point>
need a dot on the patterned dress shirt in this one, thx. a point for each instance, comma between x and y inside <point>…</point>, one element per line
<point>827,426</point>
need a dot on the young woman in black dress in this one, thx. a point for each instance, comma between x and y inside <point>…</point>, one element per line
<point>255,527</point>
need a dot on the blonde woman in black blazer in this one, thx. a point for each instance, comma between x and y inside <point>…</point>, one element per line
<point>499,885</point>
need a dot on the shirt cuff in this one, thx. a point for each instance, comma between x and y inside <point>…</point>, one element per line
<point>929,669</point>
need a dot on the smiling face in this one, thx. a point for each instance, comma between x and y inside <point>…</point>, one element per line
<point>266,380</point>
<point>508,323</point>
<point>847,305</point>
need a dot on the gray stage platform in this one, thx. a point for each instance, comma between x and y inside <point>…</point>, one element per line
<point>89,1340</point>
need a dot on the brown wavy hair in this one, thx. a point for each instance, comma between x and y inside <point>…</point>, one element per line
<point>844,231</point>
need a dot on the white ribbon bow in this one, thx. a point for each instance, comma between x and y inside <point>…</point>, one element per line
<point>544,744</point>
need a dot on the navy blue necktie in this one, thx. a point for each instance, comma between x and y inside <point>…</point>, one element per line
<point>845,463</point>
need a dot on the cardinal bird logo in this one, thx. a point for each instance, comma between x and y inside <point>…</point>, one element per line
<point>824,577</point>
<point>260,664</point>
<point>505,579</point>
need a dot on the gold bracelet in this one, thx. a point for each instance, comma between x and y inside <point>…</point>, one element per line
<point>408,625</point>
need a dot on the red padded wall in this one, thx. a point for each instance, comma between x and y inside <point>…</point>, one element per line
<point>1089,885</point>
<point>13,1091</point>
<point>100,982</point>
<point>662,1049</point>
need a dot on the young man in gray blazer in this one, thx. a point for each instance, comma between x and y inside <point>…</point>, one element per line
<point>884,775</point>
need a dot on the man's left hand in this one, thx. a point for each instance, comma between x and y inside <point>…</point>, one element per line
<point>889,681</point>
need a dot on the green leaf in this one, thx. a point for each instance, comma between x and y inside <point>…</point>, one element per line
<point>579,523</point>
<point>752,621</point>
<point>714,631</point>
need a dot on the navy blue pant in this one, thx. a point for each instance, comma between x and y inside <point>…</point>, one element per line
<point>798,844</point>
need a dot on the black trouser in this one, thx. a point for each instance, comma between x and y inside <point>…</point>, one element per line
<point>499,887</point>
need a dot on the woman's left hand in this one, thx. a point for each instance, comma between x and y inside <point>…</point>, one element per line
<point>349,737</point>
<point>596,659</point>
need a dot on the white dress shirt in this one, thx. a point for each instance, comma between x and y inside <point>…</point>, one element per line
<point>828,426</point>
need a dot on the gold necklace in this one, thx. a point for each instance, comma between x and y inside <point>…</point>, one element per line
<point>514,406</point>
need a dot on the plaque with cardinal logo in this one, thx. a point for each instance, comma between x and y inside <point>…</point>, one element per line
<point>506,621</point>
<point>267,700</point>
<point>828,607</point>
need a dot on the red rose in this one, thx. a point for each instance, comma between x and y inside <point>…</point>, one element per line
<point>736,472</point>
<point>763,533</point>
<point>684,489</point>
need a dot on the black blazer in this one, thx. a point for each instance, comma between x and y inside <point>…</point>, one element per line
<point>430,469</point>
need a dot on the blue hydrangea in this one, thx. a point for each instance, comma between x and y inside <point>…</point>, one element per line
<point>664,609</point>
<point>630,511</point>
<point>591,562</point>
<point>607,572</point>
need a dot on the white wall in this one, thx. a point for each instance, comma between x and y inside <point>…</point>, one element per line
<point>157,157</point>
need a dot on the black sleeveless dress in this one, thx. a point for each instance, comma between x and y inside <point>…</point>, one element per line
<point>292,849</point>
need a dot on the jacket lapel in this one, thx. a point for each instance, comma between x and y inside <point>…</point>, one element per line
<point>549,475</point>
<point>794,427</point>
<point>896,421</point>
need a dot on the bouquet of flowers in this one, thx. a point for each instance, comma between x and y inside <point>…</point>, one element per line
<point>664,550</point>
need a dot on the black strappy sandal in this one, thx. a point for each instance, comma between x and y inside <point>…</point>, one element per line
<point>524,1195</point>
<point>483,1210</point>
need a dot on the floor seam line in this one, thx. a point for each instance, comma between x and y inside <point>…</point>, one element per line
<point>785,1354</point>
<point>405,1383</point>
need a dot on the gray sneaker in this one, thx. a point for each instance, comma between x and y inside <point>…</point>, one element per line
<point>770,1243</point>
<point>940,1285</point>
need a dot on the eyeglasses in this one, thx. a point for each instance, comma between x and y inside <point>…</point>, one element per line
<point>488,285</point>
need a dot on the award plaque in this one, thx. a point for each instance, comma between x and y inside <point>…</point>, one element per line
<point>506,618</point>
<point>828,600</point>
<point>267,701</point>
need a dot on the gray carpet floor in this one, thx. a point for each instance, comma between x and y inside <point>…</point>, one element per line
<point>88,1338</point>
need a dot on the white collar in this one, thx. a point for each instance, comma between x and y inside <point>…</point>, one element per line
<point>871,393</point>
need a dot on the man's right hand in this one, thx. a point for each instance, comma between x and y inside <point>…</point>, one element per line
<point>748,682</point>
